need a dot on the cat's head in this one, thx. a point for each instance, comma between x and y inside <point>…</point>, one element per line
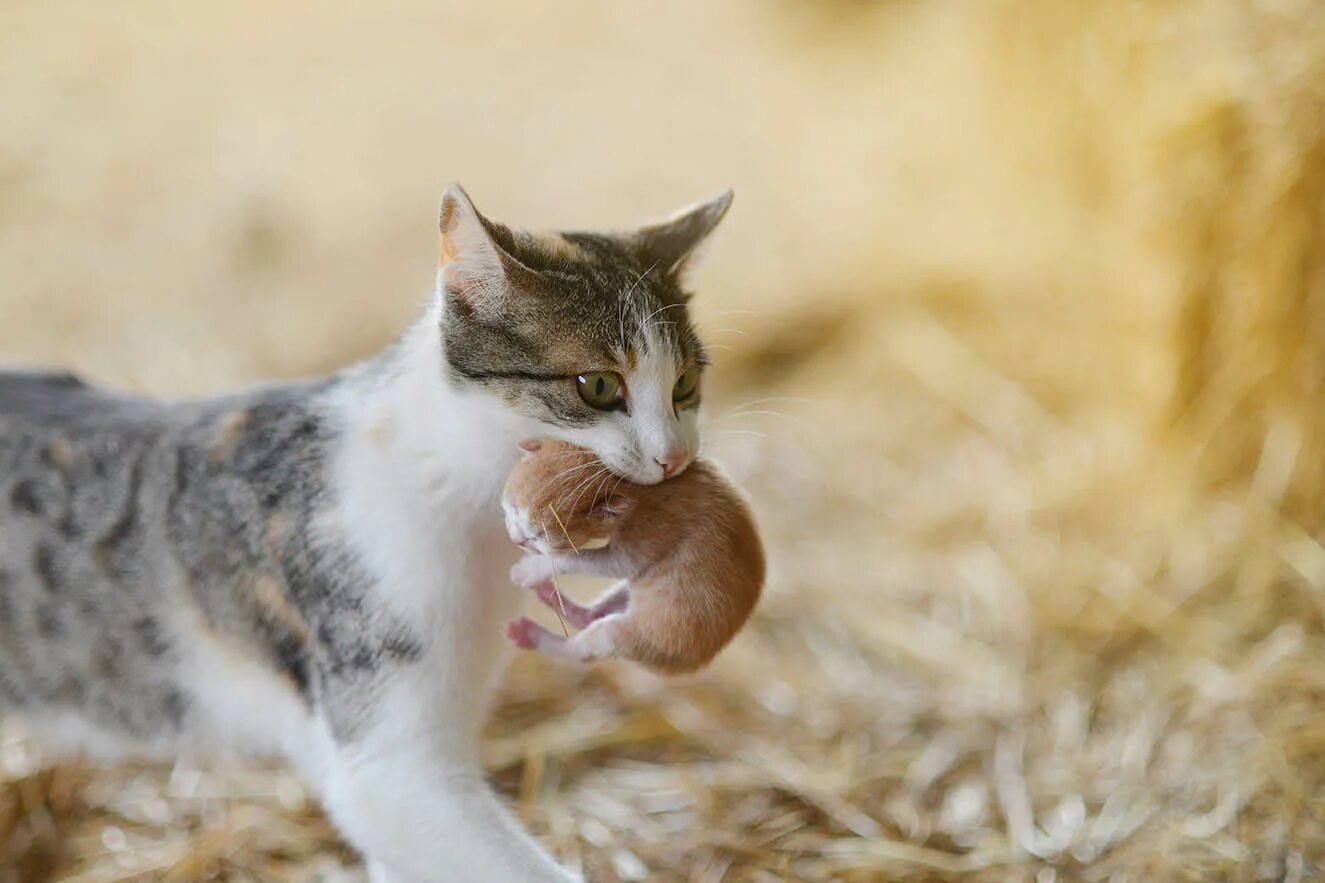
<point>588,334</point>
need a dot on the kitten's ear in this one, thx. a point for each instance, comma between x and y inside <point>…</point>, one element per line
<point>670,244</point>
<point>614,506</point>
<point>472,264</point>
<point>531,445</point>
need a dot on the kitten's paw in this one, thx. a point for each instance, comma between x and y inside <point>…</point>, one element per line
<point>524,633</point>
<point>532,571</point>
<point>576,614</point>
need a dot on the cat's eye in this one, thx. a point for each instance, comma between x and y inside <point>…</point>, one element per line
<point>686,384</point>
<point>603,390</point>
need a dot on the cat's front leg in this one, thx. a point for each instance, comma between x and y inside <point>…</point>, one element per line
<point>423,814</point>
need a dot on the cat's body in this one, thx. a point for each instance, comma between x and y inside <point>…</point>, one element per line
<point>130,529</point>
<point>319,570</point>
<point>687,552</point>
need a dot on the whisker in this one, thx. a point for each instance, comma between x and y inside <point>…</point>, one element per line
<point>603,476</point>
<point>764,435</point>
<point>571,471</point>
<point>661,309</point>
<point>583,483</point>
<point>581,487</point>
<point>638,280</point>
<point>599,489</point>
<point>767,399</point>
<point>735,415</point>
<point>619,479</point>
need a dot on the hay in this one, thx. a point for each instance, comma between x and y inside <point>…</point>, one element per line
<point>1033,430</point>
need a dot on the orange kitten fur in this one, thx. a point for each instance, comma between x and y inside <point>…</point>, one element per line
<point>686,550</point>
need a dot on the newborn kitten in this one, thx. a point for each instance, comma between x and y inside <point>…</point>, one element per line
<point>687,550</point>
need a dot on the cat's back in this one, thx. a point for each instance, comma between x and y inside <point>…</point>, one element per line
<point>32,401</point>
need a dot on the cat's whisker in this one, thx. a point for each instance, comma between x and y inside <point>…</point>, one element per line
<point>595,467</point>
<point>662,308</point>
<point>736,415</point>
<point>598,489</point>
<point>763,435</point>
<point>766,399</point>
<point>562,496</point>
<point>602,478</point>
<point>619,479</point>
<point>639,279</point>
<point>572,470</point>
<point>583,485</point>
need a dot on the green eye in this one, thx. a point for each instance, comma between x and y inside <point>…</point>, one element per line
<point>686,384</point>
<point>600,389</point>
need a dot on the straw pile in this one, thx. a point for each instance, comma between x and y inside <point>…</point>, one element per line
<point>1040,462</point>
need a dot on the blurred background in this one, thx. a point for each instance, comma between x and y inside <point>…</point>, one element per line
<point>1019,320</point>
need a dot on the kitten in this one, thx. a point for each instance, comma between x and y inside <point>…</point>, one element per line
<point>687,551</point>
<point>318,569</point>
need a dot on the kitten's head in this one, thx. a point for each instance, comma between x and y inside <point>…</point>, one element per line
<point>586,333</point>
<point>560,498</point>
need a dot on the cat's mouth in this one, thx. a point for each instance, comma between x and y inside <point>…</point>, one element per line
<point>634,471</point>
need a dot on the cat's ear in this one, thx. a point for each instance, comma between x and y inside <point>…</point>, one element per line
<point>531,445</point>
<point>473,266</point>
<point>612,507</point>
<point>670,245</point>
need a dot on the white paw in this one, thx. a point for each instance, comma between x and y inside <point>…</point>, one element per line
<point>532,570</point>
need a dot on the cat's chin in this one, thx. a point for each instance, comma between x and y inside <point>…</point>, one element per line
<point>635,473</point>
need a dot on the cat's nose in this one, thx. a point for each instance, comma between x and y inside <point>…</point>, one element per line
<point>671,462</point>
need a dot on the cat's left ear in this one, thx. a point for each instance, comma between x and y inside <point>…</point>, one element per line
<point>671,244</point>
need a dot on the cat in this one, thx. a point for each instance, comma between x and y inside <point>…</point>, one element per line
<point>686,551</point>
<point>318,569</point>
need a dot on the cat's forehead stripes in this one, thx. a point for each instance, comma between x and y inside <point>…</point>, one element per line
<point>556,246</point>
<point>572,303</point>
<point>592,306</point>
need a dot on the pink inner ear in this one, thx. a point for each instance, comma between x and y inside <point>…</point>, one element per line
<point>531,445</point>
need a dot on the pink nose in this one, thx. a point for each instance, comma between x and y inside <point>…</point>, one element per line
<point>671,462</point>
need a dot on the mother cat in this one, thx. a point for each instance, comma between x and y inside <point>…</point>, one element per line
<point>319,569</point>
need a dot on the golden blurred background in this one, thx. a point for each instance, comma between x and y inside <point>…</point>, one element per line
<point>1020,325</point>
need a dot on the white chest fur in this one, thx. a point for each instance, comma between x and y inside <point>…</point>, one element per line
<point>418,476</point>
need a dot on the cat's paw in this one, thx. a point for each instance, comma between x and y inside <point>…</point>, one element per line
<point>525,633</point>
<point>532,571</point>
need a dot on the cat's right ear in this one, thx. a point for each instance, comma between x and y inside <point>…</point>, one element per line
<point>473,266</point>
